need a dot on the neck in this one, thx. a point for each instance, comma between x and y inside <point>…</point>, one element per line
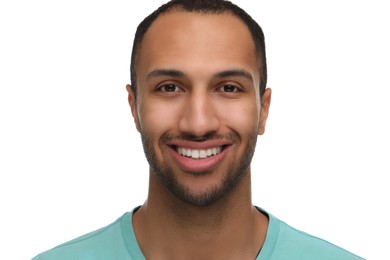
<point>200,232</point>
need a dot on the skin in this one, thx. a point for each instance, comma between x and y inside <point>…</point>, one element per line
<point>213,92</point>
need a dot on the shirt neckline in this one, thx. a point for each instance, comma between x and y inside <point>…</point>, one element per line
<point>136,253</point>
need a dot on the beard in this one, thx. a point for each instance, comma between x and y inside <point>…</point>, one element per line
<point>237,168</point>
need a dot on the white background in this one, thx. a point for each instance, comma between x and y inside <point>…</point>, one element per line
<point>71,160</point>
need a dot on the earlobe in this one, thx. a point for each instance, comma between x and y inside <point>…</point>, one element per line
<point>265,105</point>
<point>133,105</point>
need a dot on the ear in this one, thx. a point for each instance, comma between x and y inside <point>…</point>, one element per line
<point>133,106</point>
<point>265,104</point>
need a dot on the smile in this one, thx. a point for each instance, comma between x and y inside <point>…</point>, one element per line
<point>199,157</point>
<point>199,153</point>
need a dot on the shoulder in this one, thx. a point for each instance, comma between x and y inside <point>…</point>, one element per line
<point>286,242</point>
<point>99,244</point>
<point>302,243</point>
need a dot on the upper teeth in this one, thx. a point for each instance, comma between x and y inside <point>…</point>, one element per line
<point>199,153</point>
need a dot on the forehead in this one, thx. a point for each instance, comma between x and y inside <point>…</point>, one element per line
<point>182,21</point>
<point>186,40</point>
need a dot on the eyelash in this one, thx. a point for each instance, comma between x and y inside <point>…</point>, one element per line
<point>162,88</point>
<point>236,89</point>
<point>175,88</point>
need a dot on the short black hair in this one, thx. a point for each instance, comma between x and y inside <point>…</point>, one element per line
<point>203,7</point>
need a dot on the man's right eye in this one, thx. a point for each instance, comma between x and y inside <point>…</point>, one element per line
<point>169,88</point>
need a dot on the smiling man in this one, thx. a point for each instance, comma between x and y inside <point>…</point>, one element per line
<point>199,100</point>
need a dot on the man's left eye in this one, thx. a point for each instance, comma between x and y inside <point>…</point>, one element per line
<point>228,88</point>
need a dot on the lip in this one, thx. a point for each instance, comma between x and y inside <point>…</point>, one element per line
<point>201,164</point>
<point>199,145</point>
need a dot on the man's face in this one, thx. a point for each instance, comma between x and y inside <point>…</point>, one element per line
<point>198,105</point>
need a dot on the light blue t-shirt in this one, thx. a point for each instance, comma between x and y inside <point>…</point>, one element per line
<point>118,241</point>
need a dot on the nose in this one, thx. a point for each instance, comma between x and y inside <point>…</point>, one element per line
<point>199,116</point>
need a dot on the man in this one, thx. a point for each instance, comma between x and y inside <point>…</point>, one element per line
<point>199,100</point>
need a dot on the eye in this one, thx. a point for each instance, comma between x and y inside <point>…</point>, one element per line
<point>169,88</point>
<point>228,89</point>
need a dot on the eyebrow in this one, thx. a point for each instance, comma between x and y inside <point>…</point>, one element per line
<point>164,72</point>
<point>234,73</point>
<point>179,74</point>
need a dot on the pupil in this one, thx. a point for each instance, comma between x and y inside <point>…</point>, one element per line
<point>170,88</point>
<point>229,88</point>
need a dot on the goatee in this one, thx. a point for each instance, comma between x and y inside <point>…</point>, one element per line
<point>236,169</point>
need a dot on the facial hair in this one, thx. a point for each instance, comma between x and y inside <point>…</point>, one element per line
<point>236,169</point>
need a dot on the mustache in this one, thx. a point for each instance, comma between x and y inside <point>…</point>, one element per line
<point>169,137</point>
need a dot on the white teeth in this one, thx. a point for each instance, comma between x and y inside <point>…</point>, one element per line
<point>196,154</point>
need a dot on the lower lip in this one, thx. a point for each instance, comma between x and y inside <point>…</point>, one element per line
<point>200,164</point>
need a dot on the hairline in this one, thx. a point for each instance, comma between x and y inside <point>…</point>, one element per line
<point>261,59</point>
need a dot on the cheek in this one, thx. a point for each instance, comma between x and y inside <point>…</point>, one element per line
<point>242,117</point>
<point>156,119</point>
